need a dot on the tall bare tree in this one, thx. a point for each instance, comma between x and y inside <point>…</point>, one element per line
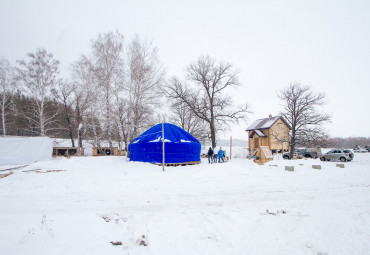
<point>205,94</point>
<point>38,76</point>
<point>182,116</point>
<point>302,111</point>
<point>107,63</point>
<point>86,99</point>
<point>63,93</point>
<point>6,89</point>
<point>144,80</point>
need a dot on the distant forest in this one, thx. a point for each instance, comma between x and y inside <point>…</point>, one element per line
<point>350,142</point>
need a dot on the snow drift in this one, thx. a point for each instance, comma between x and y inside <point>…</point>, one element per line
<point>24,150</point>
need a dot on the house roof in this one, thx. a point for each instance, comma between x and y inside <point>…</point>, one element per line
<point>260,133</point>
<point>265,123</point>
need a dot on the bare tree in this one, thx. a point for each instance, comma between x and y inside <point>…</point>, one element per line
<point>182,116</point>
<point>63,92</point>
<point>301,110</point>
<point>38,76</point>
<point>116,88</point>
<point>108,67</point>
<point>6,90</point>
<point>87,101</point>
<point>206,97</point>
<point>144,79</point>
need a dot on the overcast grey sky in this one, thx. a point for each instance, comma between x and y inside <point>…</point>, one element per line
<point>324,44</point>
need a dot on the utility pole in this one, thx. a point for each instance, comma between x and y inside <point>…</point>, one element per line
<point>231,145</point>
<point>163,146</point>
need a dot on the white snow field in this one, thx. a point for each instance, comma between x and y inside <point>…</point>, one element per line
<point>234,208</point>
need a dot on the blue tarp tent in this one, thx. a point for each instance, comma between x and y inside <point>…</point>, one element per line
<point>180,146</point>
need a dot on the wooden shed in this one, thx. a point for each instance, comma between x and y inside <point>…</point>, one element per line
<point>272,132</point>
<point>263,155</point>
<point>105,151</point>
<point>67,151</point>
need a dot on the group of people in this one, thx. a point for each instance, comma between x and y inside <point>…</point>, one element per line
<point>212,155</point>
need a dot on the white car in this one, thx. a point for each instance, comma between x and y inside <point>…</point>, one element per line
<point>336,154</point>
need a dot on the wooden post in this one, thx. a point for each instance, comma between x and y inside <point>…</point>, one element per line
<point>163,146</point>
<point>78,139</point>
<point>231,145</point>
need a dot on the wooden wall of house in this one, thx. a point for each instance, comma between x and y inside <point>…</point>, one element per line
<point>278,131</point>
<point>262,141</point>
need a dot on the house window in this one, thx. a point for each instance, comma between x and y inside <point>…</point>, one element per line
<point>279,126</point>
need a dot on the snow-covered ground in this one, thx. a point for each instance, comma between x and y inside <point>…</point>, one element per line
<point>234,208</point>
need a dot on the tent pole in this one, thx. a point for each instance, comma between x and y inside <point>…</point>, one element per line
<point>163,146</point>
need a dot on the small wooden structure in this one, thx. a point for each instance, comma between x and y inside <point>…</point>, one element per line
<point>272,132</point>
<point>263,155</point>
<point>105,151</point>
<point>67,151</point>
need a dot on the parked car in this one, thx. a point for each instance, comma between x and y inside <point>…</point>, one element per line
<point>360,150</point>
<point>351,155</point>
<point>307,153</point>
<point>337,154</point>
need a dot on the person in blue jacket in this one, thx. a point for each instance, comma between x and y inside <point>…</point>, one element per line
<point>220,155</point>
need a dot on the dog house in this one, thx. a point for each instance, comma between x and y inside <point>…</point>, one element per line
<point>263,155</point>
<point>105,151</point>
<point>67,151</point>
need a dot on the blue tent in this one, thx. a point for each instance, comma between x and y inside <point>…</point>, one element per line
<point>180,146</point>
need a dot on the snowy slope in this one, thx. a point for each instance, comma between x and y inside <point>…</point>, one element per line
<point>202,209</point>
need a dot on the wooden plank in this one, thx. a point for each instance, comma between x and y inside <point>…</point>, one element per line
<point>5,175</point>
<point>179,164</point>
<point>13,168</point>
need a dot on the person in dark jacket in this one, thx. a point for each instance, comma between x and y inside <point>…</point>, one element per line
<point>210,155</point>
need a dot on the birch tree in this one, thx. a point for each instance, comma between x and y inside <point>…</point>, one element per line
<point>204,93</point>
<point>87,101</point>
<point>38,76</point>
<point>108,67</point>
<point>6,90</point>
<point>145,77</point>
<point>302,112</point>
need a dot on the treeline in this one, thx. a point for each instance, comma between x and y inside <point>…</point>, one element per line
<point>113,93</point>
<point>350,142</point>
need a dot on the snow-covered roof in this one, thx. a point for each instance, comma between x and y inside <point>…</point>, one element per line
<point>259,133</point>
<point>265,123</point>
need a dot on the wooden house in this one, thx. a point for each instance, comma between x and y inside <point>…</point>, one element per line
<point>67,151</point>
<point>272,132</point>
<point>105,151</point>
